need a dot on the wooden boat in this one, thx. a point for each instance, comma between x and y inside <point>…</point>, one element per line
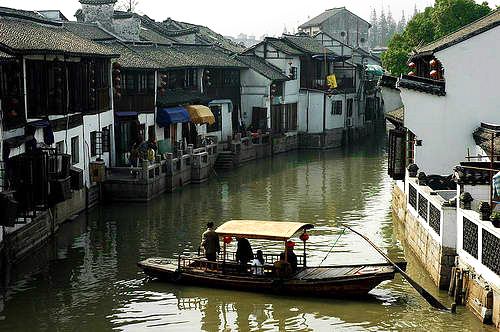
<point>329,281</point>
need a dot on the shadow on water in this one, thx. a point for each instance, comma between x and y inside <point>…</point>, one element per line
<point>86,278</point>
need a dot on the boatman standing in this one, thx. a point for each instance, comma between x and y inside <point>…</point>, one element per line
<point>210,243</point>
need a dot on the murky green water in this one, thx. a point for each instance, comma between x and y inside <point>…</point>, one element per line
<point>87,279</point>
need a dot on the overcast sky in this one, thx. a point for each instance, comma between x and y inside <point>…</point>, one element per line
<point>230,17</point>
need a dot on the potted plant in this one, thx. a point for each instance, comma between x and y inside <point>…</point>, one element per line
<point>495,219</point>
<point>466,200</point>
<point>484,211</point>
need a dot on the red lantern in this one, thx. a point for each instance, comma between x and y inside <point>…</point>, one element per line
<point>434,74</point>
<point>412,73</point>
<point>304,237</point>
<point>118,95</point>
<point>290,244</point>
<point>228,239</point>
<point>412,65</point>
<point>433,63</point>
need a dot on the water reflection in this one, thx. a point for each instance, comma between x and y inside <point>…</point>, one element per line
<point>87,279</point>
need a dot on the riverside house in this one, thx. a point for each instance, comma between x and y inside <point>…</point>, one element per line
<point>451,118</point>
<point>57,117</point>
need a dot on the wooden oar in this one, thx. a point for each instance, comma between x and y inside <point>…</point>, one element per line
<point>425,294</point>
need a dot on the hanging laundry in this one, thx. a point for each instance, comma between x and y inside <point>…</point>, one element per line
<point>332,81</point>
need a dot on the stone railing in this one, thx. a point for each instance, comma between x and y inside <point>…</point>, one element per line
<point>478,245</point>
<point>432,209</point>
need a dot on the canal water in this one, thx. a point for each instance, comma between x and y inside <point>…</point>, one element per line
<point>86,279</point>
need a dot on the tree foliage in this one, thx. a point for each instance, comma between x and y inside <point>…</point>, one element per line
<point>433,23</point>
<point>127,5</point>
<point>384,27</point>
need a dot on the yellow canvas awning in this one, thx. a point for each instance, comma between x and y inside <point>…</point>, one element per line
<point>256,229</point>
<point>200,114</point>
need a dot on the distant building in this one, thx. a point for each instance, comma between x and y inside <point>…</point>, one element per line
<point>341,24</point>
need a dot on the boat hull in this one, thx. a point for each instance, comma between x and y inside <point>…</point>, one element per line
<point>360,280</point>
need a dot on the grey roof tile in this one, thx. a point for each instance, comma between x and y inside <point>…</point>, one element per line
<point>283,46</point>
<point>307,44</point>
<point>28,37</point>
<point>130,58</point>
<point>263,67</point>
<point>315,21</point>
<point>88,30</point>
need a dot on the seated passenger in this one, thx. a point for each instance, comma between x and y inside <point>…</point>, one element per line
<point>258,264</point>
<point>244,253</point>
<point>291,257</point>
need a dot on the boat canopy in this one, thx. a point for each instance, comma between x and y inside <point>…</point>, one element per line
<point>256,229</point>
<point>200,114</point>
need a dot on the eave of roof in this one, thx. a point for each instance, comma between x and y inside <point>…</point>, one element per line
<point>396,117</point>
<point>473,29</point>
<point>423,85</point>
<point>315,21</point>
<point>263,67</point>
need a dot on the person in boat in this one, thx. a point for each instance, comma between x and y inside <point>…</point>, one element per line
<point>244,253</point>
<point>210,243</point>
<point>291,258</point>
<point>258,264</point>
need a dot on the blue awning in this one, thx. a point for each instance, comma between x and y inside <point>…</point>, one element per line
<point>168,116</point>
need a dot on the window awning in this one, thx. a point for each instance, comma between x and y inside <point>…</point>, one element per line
<point>168,116</point>
<point>200,114</point>
<point>126,114</point>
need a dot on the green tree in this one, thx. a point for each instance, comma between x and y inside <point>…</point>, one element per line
<point>433,23</point>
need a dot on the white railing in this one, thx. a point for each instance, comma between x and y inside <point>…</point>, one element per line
<point>429,207</point>
<point>478,245</point>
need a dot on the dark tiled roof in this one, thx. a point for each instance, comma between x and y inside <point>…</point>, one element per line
<point>482,137</point>
<point>188,56</point>
<point>388,82</point>
<point>475,28</point>
<point>23,14</point>
<point>284,47</point>
<point>306,44</point>
<point>263,67</point>
<point>208,56</point>
<point>315,21</point>
<point>28,37</point>
<point>396,116</point>
<point>165,56</point>
<point>88,30</point>
<point>154,37</point>
<point>423,85</point>
<point>204,34</point>
<point>97,2</point>
<point>472,176</point>
<point>131,59</point>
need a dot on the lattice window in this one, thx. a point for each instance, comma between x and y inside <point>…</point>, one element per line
<point>412,197</point>
<point>491,248</point>
<point>435,219</point>
<point>422,206</point>
<point>470,237</point>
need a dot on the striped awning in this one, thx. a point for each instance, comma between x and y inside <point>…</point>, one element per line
<point>200,114</point>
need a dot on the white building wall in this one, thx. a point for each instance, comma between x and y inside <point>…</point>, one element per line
<point>392,99</point>
<point>254,93</point>
<point>445,124</point>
